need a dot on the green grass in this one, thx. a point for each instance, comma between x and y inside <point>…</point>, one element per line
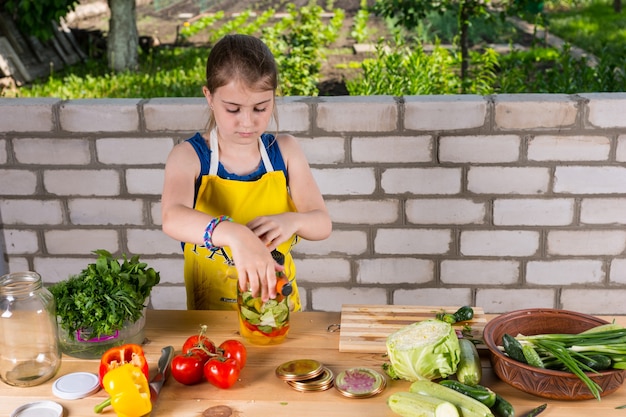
<point>167,72</point>
<point>592,26</point>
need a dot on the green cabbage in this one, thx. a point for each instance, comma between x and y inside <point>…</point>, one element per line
<point>427,349</point>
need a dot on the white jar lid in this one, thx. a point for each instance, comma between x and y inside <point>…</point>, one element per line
<point>76,385</point>
<point>39,409</point>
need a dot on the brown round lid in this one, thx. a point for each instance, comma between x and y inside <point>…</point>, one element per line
<point>299,370</point>
<point>319,383</point>
<point>360,382</point>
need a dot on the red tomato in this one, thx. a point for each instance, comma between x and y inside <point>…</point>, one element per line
<point>199,344</point>
<point>234,349</point>
<point>221,372</point>
<point>188,368</point>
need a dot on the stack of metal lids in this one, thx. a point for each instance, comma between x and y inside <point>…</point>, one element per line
<point>306,375</point>
<point>360,383</point>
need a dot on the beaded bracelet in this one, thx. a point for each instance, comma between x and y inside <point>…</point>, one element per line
<point>208,232</point>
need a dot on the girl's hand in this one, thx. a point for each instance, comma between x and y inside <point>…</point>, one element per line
<point>272,230</point>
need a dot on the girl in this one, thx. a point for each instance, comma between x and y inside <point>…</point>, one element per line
<point>236,193</point>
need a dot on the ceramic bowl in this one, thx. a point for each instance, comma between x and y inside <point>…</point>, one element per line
<point>557,385</point>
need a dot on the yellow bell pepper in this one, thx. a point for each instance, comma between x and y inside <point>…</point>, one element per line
<point>129,392</point>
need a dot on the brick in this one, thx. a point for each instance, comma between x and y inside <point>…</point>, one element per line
<point>394,149</point>
<point>437,181</point>
<point>586,242</point>
<point>170,269</point>
<point>433,297</point>
<point>19,242</point>
<point>31,212</point>
<point>620,153</point>
<point>564,272</point>
<point>27,114</point>
<point>367,114</point>
<point>617,273</point>
<point>504,300</point>
<point>176,114</point>
<point>17,264</point>
<point>508,180</point>
<point>590,180</point>
<point>533,212</point>
<point>346,242</point>
<point>445,211</point>
<point>140,239</point>
<point>17,182</point>
<point>323,270</point>
<point>52,151</point>
<point>394,271</point>
<point>57,269</point>
<point>479,272</point>
<point>331,299</point>
<point>444,113</point>
<point>293,115</point>
<point>155,213</point>
<point>361,211</point>
<point>603,211</point>
<point>413,241</point>
<point>479,149</point>
<point>587,300</point>
<point>80,241</point>
<point>606,110</point>
<point>168,298</point>
<point>130,151</point>
<point>569,148</point>
<point>145,181</point>
<point>3,151</point>
<point>349,181</point>
<point>95,115</point>
<point>534,111</point>
<point>104,182</point>
<point>105,212</point>
<point>499,243</point>
<point>323,150</point>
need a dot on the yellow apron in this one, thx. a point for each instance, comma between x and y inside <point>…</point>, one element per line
<point>210,275</point>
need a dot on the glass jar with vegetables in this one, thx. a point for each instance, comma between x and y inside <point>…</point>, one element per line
<point>266,323</point>
<point>29,349</point>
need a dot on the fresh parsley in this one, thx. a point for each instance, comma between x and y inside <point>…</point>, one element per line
<point>105,296</point>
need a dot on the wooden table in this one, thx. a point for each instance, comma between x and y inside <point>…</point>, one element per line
<point>260,392</point>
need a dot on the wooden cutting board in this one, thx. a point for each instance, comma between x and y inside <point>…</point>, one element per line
<point>364,328</point>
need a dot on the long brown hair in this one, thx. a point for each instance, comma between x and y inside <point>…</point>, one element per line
<point>243,58</point>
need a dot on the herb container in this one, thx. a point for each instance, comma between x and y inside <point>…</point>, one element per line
<point>104,305</point>
<point>29,350</point>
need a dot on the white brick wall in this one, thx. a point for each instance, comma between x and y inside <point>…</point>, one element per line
<point>504,202</point>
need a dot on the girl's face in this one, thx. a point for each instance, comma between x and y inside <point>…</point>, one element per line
<point>240,112</point>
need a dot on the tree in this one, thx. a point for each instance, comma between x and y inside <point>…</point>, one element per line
<point>123,37</point>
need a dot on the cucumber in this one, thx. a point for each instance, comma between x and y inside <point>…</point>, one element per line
<point>469,370</point>
<point>532,357</point>
<point>477,392</point>
<point>465,313</point>
<point>513,348</point>
<point>502,408</point>
<point>596,362</point>
<point>467,406</point>
<point>409,404</point>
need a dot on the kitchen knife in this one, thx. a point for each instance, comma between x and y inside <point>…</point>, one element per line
<point>536,411</point>
<point>167,353</point>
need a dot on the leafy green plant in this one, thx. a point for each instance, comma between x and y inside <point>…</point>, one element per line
<point>35,16</point>
<point>105,296</point>
<point>359,30</point>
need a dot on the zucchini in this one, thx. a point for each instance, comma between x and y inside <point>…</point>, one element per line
<point>409,404</point>
<point>477,392</point>
<point>502,408</point>
<point>469,370</point>
<point>532,357</point>
<point>468,406</point>
<point>513,348</point>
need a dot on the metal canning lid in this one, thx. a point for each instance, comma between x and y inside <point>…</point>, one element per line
<point>319,383</point>
<point>360,382</point>
<point>39,409</point>
<point>76,385</point>
<point>300,369</point>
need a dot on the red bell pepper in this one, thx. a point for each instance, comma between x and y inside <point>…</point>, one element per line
<point>121,355</point>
